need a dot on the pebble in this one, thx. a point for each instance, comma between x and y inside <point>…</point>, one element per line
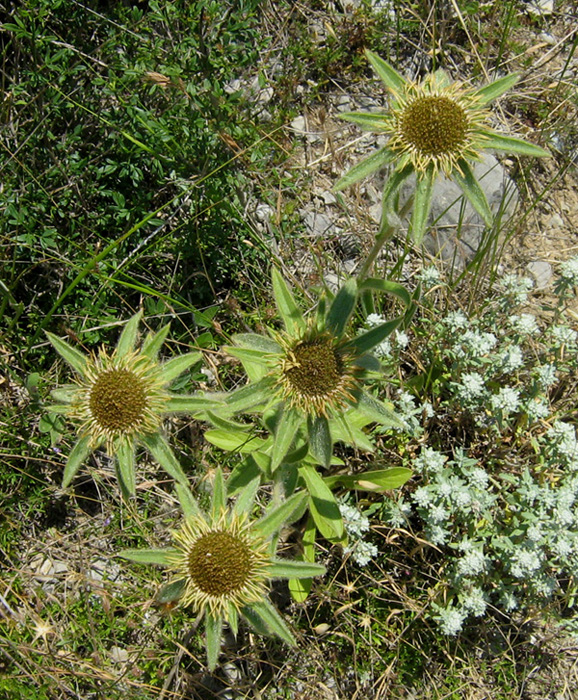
<point>118,655</point>
<point>541,273</point>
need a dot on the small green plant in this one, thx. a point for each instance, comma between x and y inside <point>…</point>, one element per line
<point>222,560</point>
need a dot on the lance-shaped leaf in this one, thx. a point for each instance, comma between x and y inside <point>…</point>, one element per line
<point>285,431</point>
<point>189,504</point>
<point>378,480</point>
<point>77,455</point>
<point>271,523</point>
<point>471,188</point>
<point>387,287</point>
<point>290,312</point>
<point>288,568</point>
<point>125,468</point>
<point>367,121</point>
<point>265,619</point>
<point>393,183</point>
<point>66,394</point>
<point>192,403</point>
<point>127,339</point>
<point>365,168</point>
<point>254,341</point>
<point>299,587</point>
<point>219,497</point>
<point>344,429</point>
<point>422,204</point>
<point>492,91</point>
<point>171,592</point>
<point>342,307</point>
<point>213,636</point>
<point>154,342</point>
<point>323,505</point>
<point>510,144</point>
<point>73,356</point>
<point>162,557</point>
<point>175,367</point>
<point>370,339</point>
<point>249,396</point>
<point>161,451</point>
<point>246,497</point>
<point>234,440</point>
<point>377,411</point>
<point>320,442</point>
<point>255,362</point>
<point>391,78</point>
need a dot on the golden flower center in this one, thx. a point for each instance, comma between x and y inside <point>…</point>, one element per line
<point>316,369</point>
<point>220,563</point>
<point>434,125</point>
<point>118,400</point>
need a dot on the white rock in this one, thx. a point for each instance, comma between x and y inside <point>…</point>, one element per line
<point>541,272</point>
<point>118,655</point>
<point>299,125</point>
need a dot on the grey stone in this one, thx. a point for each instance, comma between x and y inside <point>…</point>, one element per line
<point>556,221</point>
<point>541,273</point>
<point>118,655</point>
<point>318,224</point>
<point>299,125</point>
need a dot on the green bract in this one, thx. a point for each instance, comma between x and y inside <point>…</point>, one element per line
<point>119,400</point>
<point>221,562</point>
<point>434,126</point>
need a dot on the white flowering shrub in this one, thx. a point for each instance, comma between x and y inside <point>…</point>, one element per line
<point>496,471</point>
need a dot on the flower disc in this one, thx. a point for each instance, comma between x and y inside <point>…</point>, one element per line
<point>435,125</point>
<point>220,563</point>
<point>118,400</point>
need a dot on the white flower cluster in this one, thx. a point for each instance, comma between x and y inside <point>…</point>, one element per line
<point>569,271</point>
<point>563,438</point>
<point>472,387</point>
<point>546,375</point>
<point>356,524</point>
<point>507,400</point>
<point>510,359</point>
<point>524,324</point>
<point>450,620</point>
<point>563,335</point>
<point>456,320</point>
<point>429,277</point>
<point>474,344</point>
<point>515,288</point>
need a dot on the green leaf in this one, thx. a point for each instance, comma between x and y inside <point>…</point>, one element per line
<point>387,287</point>
<point>345,429</point>
<point>471,188</point>
<point>75,358</point>
<point>290,312</point>
<point>287,568</point>
<point>233,619</point>
<point>161,451</point>
<point>188,502</point>
<point>234,441</point>
<point>393,183</point>
<point>191,404</point>
<point>422,204</point>
<point>65,394</point>
<point>255,362</point>
<point>127,339</point>
<point>365,168</point>
<point>510,144</point>
<point>320,441</point>
<point>378,480</point>
<point>298,587</point>
<point>492,91</point>
<point>125,468</point>
<point>213,636</point>
<point>77,455</point>
<point>370,339</point>
<point>177,365</point>
<point>342,307</point>
<point>266,621</point>
<point>285,431</point>
<point>243,475</point>
<point>227,424</point>
<point>162,557</point>
<point>377,411</point>
<point>253,341</point>
<point>393,80</point>
<point>154,342</point>
<point>375,123</point>
<point>249,397</point>
<point>272,522</point>
<point>219,497</point>
<point>246,497</point>
<point>171,592</point>
<point>323,505</point>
